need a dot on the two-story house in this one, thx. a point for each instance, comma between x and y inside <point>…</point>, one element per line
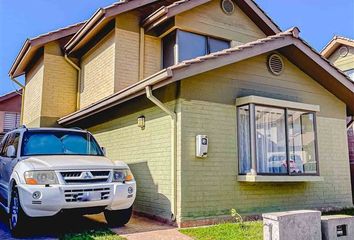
<point>10,110</point>
<point>340,52</point>
<point>148,78</point>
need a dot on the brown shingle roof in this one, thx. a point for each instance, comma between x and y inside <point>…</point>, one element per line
<point>102,16</point>
<point>30,46</point>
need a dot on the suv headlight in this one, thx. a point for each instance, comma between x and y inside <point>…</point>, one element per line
<point>41,177</point>
<point>122,175</point>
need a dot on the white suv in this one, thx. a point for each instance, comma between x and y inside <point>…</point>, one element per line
<point>44,171</point>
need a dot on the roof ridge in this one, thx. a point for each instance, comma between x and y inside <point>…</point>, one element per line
<point>57,30</point>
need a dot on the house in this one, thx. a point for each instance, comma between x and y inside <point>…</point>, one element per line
<point>340,52</point>
<point>10,111</point>
<point>157,82</point>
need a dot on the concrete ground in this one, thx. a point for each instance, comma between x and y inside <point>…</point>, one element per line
<point>52,228</point>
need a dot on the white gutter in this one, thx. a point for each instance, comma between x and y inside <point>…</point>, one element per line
<point>173,116</point>
<point>22,98</point>
<point>78,80</point>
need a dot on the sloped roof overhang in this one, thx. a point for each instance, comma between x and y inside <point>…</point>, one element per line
<point>258,16</point>
<point>101,17</point>
<point>336,42</point>
<point>104,15</point>
<point>288,43</point>
<point>31,46</point>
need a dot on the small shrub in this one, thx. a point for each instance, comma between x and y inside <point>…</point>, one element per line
<point>236,217</point>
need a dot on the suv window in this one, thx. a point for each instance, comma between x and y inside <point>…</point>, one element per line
<point>2,143</point>
<point>12,139</point>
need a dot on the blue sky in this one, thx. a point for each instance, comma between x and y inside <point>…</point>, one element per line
<point>318,20</point>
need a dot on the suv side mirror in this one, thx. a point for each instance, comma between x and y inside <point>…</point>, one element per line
<point>104,150</point>
<point>11,151</point>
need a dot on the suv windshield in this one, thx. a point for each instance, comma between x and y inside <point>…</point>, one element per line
<point>54,142</point>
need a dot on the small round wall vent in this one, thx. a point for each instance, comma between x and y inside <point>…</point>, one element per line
<point>228,6</point>
<point>343,51</point>
<point>275,64</point>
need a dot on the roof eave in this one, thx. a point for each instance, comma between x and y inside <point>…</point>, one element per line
<point>332,46</point>
<point>24,50</point>
<point>99,14</point>
<point>102,15</point>
<point>34,43</point>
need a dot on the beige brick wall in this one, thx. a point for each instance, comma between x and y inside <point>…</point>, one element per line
<point>97,66</point>
<point>127,58</point>
<point>153,55</point>
<point>60,84</point>
<point>146,151</point>
<point>51,89</point>
<point>209,186</point>
<point>209,19</point>
<point>33,95</point>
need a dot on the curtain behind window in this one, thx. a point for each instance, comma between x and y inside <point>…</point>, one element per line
<point>270,140</point>
<point>244,139</point>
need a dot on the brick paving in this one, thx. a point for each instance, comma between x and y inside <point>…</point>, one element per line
<point>51,228</point>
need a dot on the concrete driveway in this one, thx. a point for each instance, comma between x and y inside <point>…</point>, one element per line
<point>52,228</point>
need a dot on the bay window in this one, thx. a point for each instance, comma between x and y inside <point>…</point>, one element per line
<point>276,139</point>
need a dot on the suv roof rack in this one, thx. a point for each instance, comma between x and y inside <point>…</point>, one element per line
<point>77,128</point>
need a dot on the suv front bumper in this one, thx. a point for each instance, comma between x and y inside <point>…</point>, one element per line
<point>53,199</point>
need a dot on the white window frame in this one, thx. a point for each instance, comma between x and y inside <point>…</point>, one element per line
<point>252,102</point>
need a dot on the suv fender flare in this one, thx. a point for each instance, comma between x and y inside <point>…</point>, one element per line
<point>15,179</point>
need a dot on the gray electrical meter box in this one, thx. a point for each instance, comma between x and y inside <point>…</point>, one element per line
<point>201,146</point>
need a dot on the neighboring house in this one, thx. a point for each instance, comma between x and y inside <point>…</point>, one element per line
<point>10,111</point>
<point>146,77</point>
<point>340,52</point>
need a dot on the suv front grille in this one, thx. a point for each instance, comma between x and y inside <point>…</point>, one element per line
<point>82,195</point>
<point>82,177</point>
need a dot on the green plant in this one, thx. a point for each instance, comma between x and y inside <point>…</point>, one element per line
<point>236,216</point>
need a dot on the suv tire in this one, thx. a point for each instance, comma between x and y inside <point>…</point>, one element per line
<point>17,217</point>
<point>118,218</point>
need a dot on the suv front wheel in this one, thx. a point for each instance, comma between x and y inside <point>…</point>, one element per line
<point>118,218</point>
<point>17,217</point>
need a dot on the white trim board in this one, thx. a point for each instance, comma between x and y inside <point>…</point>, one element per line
<point>277,103</point>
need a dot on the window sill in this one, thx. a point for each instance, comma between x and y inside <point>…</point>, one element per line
<point>262,178</point>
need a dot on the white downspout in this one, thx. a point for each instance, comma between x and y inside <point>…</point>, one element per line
<point>173,116</point>
<point>23,87</point>
<point>78,80</point>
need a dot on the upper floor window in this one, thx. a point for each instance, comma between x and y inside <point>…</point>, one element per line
<point>276,140</point>
<point>350,73</point>
<point>180,45</point>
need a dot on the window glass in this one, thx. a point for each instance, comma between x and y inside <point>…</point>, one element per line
<point>12,139</point>
<point>285,140</point>
<point>350,73</point>
<point>270,140</point>
<point>302,147</point>
<point>169,43</point>
<point>216,45</point>
<point>244,139</point>
<point>3,145</point>
<point>59,143</point>
<point>190,45</point>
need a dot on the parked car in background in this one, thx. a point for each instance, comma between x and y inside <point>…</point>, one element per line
<point>45,171</point>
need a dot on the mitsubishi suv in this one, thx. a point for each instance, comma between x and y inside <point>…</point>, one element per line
<point>46,171</point>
